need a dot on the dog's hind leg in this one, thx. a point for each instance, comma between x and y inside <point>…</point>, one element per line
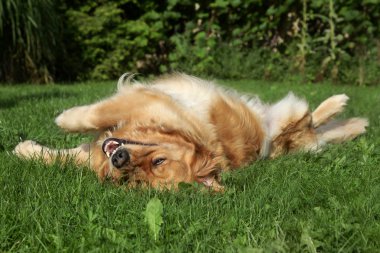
<point>338,131</point>
<point>32,150</point>
<point>328,109</point>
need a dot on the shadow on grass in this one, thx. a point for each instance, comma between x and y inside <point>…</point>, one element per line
<point>13,101</point>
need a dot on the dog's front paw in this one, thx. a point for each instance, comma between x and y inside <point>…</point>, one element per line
<point>28,149</point>
<point>76,119</point>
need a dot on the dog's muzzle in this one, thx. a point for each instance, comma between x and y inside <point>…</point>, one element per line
<point>113,148</point>
<point>120,158</point>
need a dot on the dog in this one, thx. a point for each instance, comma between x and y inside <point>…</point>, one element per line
<point>180,128</point>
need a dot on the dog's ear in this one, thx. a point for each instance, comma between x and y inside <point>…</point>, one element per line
<point>205,165</point>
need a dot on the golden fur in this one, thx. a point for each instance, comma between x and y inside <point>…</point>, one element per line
<point>183,129</point>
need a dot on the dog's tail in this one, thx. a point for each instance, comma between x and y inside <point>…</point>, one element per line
<point>125,79</point>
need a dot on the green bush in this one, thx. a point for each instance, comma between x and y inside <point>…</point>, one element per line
<point>116,40</point>
<point>320,39</point>
<point>316,40</point>
<point>28,37</point>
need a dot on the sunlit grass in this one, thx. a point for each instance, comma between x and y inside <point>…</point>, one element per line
<point>326,202</point>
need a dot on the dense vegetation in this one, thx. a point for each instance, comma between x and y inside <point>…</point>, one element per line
<point>325,202</point>
<point>45,40</point>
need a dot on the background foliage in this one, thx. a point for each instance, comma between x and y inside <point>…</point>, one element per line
<point>45,40</point>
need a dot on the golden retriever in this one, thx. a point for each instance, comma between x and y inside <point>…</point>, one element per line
<point>180,128</point>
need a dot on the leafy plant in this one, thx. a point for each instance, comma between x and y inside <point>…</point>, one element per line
<point>304,37</point>
<point>153,216</point>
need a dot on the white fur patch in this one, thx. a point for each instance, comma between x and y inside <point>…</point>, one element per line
<point>190,92</point>
<point>283,112</point>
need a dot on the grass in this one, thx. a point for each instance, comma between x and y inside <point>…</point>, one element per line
<point>326,202</point>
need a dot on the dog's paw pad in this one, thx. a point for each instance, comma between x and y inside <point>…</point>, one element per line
<point>340,101</point>
<point>357,125</point>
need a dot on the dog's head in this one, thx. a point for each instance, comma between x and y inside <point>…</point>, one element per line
<point>160,157</point>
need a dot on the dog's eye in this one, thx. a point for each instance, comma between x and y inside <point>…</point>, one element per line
<point>158,161</point>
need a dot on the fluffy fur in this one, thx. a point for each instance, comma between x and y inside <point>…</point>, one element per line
<point>183,129</point>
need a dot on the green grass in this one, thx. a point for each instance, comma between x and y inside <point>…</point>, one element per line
<point>326,202</point>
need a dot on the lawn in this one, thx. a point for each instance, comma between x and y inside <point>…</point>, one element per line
<point>325,202</point>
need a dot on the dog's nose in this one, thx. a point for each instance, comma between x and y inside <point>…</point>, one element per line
<point>120,158</point>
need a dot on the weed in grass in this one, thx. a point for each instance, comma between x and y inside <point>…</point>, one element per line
<point>153,216</point>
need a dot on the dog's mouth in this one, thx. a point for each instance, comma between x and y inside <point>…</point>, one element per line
<point>111,145</point>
